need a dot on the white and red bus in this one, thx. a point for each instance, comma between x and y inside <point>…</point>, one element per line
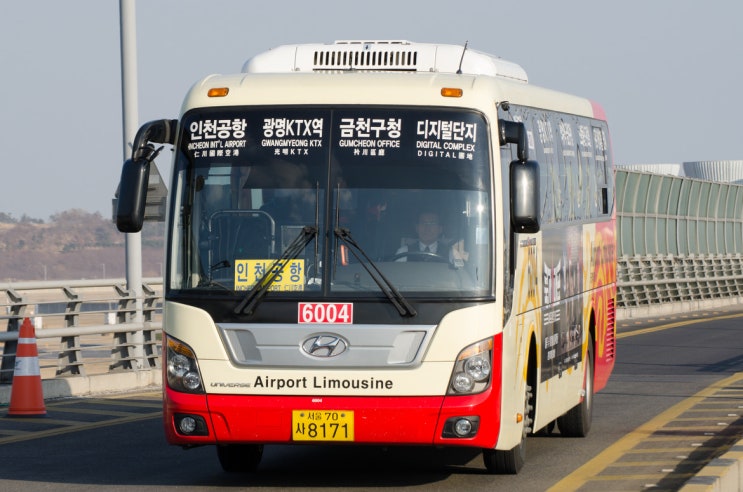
<point>299,305</point>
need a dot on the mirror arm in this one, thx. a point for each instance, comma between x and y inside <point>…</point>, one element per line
<point>157,131</point>
<point>514,132</point>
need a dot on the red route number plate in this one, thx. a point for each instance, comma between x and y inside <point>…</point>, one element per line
<point>322,425</point>
<point>326,312</point>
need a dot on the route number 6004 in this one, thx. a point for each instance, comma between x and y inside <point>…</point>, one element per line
<point>326,312</point>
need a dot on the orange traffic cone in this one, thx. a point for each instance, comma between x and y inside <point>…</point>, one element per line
<point>26,395</point>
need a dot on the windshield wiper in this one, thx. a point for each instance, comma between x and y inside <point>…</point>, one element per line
<point>213,283</point>
<point>397,299</point>
<point>219,266</point>
<point>209,281</point>
<point>251,300</point>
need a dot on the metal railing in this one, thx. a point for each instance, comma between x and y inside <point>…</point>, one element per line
<point>652,280</point>
<point>679,242</point>
<point>83,327</point>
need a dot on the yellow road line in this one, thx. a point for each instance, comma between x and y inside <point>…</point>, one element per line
<point>645,476</point>
<point>124,403</point>
<point>636,464</point>
<point>41,421</point>
<point>718,409</point>
<point>677,324</point>
<point>64,407</point>
<point>689,437</point>
<point>625,445</point>
<point>9,432</point>
<point>90,411</point>
<point>77,428</point>
<point>678,449</point>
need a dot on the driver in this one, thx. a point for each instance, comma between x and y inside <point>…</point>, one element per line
<point>430,245</point>
<point>429,230</point>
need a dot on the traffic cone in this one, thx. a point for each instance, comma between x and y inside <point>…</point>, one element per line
<point>26,395</point>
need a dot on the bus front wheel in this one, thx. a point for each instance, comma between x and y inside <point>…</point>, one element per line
<point>512,460</point>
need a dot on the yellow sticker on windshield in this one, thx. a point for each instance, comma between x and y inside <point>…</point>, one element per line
<point>290,275</point>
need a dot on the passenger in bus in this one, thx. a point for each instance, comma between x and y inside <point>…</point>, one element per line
<point>430,245</point>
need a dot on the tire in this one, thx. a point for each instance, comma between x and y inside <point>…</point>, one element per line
<point>577,421</point>
<point>511,461</point>
<point>240,458</point>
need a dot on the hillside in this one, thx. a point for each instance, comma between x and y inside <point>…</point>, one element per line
<point>71,245</point>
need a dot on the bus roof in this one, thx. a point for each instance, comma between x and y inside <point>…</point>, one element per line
<point>380,72</point>
<point>395,56</point>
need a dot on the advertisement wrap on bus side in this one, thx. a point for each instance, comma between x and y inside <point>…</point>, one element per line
<point>562,307</point>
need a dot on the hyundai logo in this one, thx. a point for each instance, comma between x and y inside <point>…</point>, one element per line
<point>324,345</point>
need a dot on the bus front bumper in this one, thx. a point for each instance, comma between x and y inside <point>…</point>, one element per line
<point>426,420</point>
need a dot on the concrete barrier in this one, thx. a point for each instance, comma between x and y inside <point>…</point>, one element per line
<point>723,474</point>
<point>94,385</point>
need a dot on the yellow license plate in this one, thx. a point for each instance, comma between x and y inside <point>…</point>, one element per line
<point>322,425</point>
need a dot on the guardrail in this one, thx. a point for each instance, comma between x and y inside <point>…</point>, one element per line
<point>653,280</point>
<point>83,327</point>
<point>679,243</point>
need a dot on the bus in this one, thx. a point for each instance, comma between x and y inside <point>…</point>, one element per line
<point>299,306</point>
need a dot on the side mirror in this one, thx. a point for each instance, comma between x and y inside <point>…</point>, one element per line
<point>132,195</point>
<point>524,182</point>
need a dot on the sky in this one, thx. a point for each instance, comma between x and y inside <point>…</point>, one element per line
<point>667,72</point>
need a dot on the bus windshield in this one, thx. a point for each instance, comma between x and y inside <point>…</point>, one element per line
<point>402,193</point>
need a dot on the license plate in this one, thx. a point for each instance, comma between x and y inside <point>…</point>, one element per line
<point>322,425</point>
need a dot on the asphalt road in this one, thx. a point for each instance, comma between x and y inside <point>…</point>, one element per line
<point>651,410</point>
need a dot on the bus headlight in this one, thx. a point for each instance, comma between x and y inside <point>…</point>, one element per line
<point>472,369</point>
<point>182,370</point>
<point>478,367</point>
